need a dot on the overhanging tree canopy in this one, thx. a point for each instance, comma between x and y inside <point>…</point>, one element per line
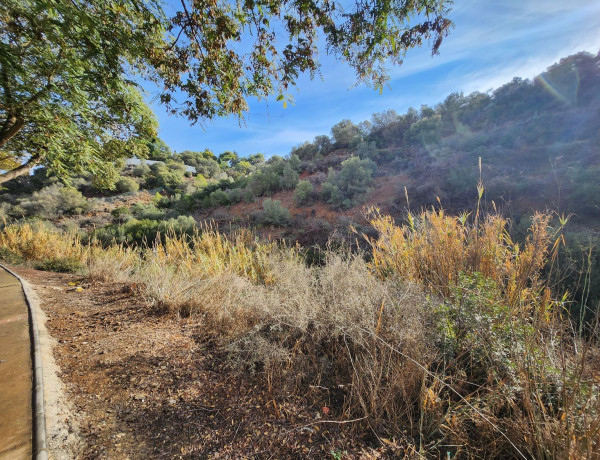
<point>65,95</point>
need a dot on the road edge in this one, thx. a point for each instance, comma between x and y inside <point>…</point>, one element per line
<point>40,443</point>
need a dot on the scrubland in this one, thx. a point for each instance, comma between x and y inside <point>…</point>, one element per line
<point>445,334</point>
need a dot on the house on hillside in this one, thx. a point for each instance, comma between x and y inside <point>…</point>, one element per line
<point>132,162</point>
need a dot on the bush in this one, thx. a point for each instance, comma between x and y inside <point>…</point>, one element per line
<point>290,177</point>
<point>264,181</point>
<point>218,198</point>
<point>304,192</point>
<point>5,212</point>
<point>248,196</point>
<point>59,265</point>
<point>144,231</point>
<point>120,213</point>
<point>235,195</point>
<point>367,150</point>
<point>274,213</point>
<point>350,184</point>
<point>55,200</point>
<point>147,211</point>
<point>141,170</point>
<point>200,181</point>
<point>448,337</point>
<point>165,176</point>
<point>126,184</point>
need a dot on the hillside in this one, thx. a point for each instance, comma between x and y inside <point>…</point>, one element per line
<point>534,144</point>
<point>459,320</point>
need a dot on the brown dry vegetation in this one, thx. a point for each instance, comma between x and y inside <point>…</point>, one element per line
<point>448,339</point>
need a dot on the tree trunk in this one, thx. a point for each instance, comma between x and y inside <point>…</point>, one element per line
<point>12,125</point>
<point>20,170</point>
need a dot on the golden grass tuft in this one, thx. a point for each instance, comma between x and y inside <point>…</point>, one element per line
<point>38,243</point>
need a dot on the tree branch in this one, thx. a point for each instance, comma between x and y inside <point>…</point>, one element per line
<point>12,125</point>
<point>20,170</point>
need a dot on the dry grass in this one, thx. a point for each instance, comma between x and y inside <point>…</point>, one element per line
<point>434,249</point>
<point>449,338</point>
<point>38,243</point>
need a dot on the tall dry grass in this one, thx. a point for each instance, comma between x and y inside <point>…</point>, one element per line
<point>37,243</point>
<point>448,338</point>
<point>510,365</point>
<point>435,249</point>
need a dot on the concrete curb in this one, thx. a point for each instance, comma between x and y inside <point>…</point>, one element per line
<point>40,446</point>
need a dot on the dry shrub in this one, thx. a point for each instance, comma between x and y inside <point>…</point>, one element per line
<point>329,327</point>
<point>116,263</point>
<point>38,243</point>
<point>434,249</point>
<point>449,337</point>
<point>300,325</point>
<point>512,380</point>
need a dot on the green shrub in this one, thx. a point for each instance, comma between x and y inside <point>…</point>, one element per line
<point>235,195</point>
<point>126,184</point>
<point>304,192</point>
<point>264,181</point>
<point>290,177</point>
<point>147,211</point>
<point>144,231</point>
<point>141,170</point>
<point>367,150</point>
<point>219,198</point>
<point>200,181</point>
<point>348,186</point>
<point>274,213</point>
<point>9,256</point>
<point>248,196</point>
<point>59,265</point>
<point>55,200</point>
<point>121,213</point>
<point>165,176</point>
<point>5,212</point>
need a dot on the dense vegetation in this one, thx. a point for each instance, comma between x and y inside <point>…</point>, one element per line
<point>537,141</point>
<point>448,343</point>
<point>469,331</point>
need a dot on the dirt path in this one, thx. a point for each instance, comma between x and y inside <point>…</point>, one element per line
<point>15,371</point>
<point>144,385</point>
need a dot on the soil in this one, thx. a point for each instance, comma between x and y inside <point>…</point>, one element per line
<point>144,384</point>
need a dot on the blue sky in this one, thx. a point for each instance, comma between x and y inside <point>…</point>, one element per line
<point>492,42</point>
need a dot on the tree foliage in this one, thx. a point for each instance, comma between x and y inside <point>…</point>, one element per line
<point>279,41</point>
<point>66,95</point>
<point>65,99</point>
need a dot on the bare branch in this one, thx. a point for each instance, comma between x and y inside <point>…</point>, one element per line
<point>20,170</point>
